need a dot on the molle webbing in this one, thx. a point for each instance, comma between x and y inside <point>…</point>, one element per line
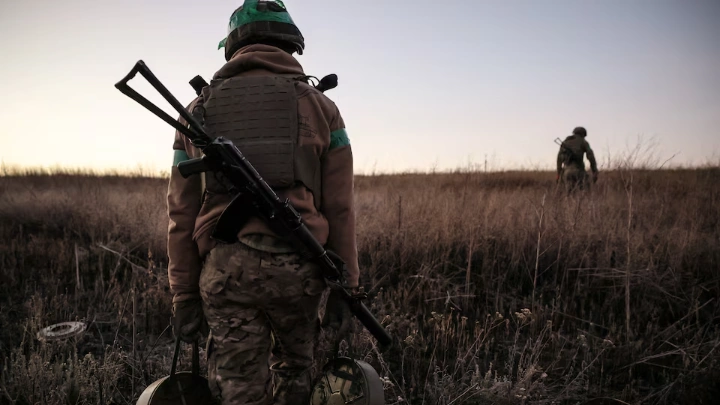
<point>259,115</point>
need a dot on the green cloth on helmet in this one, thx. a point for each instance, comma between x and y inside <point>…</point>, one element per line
<point>249,13</point>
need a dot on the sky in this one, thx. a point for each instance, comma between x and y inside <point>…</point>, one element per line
<point>422,84</point>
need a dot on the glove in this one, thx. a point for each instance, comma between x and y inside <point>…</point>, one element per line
<point>188,320</point>
<point>595,177</point>
<point>337,316</point>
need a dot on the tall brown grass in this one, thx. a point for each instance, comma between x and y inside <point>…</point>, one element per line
<point>498,287</point>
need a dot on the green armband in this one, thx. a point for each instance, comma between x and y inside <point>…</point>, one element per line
<point>180,156</point>
<point>338,138</point>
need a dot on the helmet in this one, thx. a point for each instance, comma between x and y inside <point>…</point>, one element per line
<point>580,131</point>
<point>261,21</point>
<point>348,381</point>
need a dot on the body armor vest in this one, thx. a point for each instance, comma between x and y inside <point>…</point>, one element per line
<point>259,115</point>
<point>573,153</point>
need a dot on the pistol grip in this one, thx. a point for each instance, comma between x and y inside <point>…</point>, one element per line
<point>192,166</point>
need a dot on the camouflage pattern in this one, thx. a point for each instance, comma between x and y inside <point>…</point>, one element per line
<point>262,309</point>
<point>570,161</point>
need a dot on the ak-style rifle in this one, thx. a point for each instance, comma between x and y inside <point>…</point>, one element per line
<point>254,195</point>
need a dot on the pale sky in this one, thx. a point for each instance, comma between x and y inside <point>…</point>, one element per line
<point>422,83</point>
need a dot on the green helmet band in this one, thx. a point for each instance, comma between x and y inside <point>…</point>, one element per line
<point>258,21</point>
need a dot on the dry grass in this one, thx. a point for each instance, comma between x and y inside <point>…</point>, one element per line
<point>498,287</point>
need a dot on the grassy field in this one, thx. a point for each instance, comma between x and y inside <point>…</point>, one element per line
<point>498,287</point>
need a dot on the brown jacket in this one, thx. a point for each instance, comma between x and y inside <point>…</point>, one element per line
<point>320,126</point>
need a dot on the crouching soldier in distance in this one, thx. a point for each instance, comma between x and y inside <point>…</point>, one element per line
<point>260,297</point>
<point>570,161</point>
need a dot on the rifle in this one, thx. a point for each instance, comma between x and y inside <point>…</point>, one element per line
<point>222,157</point>
<point>562,144</point>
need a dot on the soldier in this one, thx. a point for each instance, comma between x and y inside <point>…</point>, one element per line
<point>259,296</point>
<point>570,163</point>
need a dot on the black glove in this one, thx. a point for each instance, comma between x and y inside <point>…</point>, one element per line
<point>338,316</point>
<point>595,177</point>
<point>188,320</point>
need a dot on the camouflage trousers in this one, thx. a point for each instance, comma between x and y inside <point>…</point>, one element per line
<point>262,309</point>
<point>575,178</point>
